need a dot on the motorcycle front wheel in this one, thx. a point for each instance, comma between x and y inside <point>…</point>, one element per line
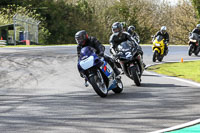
<point>190,50</point>
<point>98,84</point>
<point>155,55</point>
<point>135,76</point>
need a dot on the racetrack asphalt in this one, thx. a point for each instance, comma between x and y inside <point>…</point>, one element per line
<point>41,91</point>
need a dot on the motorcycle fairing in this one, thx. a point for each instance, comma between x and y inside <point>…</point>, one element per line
<point>106,68</point>
<point>87,63</point>
<point>160,49</point>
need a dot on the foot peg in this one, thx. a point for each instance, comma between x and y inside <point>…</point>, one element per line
<point>118,77</point>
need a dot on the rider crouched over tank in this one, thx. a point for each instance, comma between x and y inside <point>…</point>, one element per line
<point>133,33</point>
<point>84,40</point>
<point>119,36</point>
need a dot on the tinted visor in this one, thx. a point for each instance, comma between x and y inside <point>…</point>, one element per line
<point>115,29</point>
<point>79,40</point>
<point>163,31</point>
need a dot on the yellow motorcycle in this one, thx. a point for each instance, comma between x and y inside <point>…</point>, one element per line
<point>158,48</point>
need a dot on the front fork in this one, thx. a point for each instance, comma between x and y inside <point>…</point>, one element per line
<point>86,76</point>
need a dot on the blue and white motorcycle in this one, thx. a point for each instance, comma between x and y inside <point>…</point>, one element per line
<point>98,72</point>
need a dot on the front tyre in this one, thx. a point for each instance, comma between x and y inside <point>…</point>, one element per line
<point>98,84</point>
<point>155,55</point>
<point>190,50</point>
<point>135,76</point>
<point>119,87</point>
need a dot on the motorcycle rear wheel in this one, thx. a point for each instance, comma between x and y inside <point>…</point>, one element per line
<point>160,58</point>
<point>98,84</point>
<point>119,87</point>
<point>197,52</point>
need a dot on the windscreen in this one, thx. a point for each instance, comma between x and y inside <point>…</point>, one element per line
<point>159,38</point>
<point>125,46</point>
<point>86,51</point>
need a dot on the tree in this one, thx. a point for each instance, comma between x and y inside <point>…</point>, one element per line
<point>196,4</point>
<point>183,21</point>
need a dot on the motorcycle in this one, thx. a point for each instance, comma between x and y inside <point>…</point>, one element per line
<point>131,62</point>
<point>98,72</point>
<point>158,48</point>
<point>193,44</point>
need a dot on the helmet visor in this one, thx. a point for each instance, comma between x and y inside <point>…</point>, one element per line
<point>79,40</point>
<point>163,31</point>
<point>115,29</point>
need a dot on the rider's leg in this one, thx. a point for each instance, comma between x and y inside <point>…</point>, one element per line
<point>112,64</point>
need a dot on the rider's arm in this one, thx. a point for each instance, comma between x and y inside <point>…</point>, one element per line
<point>112,45</point>
<point>158,33</point>
<point>195,31</point>
<point>78,50</point>
<point>130,38</point>
<point>167,37</point>
<point>98,46</point>
<point>137,37</point>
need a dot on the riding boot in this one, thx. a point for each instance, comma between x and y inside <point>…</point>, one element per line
<point>117,72</point>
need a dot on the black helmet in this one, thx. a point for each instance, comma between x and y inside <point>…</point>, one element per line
<point>81,37</point>
<point>117,28</point>
<point>131,29</point>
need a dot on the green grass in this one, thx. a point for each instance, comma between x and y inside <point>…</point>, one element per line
<point>186,70</point>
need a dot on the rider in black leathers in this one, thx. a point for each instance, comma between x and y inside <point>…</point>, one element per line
<point>165,35</point>
<point>131,31</point>
<point>120,36</point>
<point>197,31</point>
<point>83,40</point>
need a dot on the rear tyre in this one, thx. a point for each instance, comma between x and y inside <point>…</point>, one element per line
<point>98,84</point>
<point>119,87</point>
<point>155,55</point>
<point>135,76</point>
<point>197,51</point>
<point>160,58</point>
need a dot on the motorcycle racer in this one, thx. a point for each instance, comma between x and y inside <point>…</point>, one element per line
<point>163,32</point>
<point>83,40</point>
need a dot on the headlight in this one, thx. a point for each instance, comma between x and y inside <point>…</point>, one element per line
<point>119,47</point>
<point>158,45</point>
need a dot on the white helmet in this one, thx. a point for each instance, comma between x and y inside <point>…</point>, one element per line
<point>198,26</point>
<point>163,29</point>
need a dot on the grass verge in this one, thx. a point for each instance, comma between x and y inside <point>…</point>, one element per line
<point>187,70</point>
